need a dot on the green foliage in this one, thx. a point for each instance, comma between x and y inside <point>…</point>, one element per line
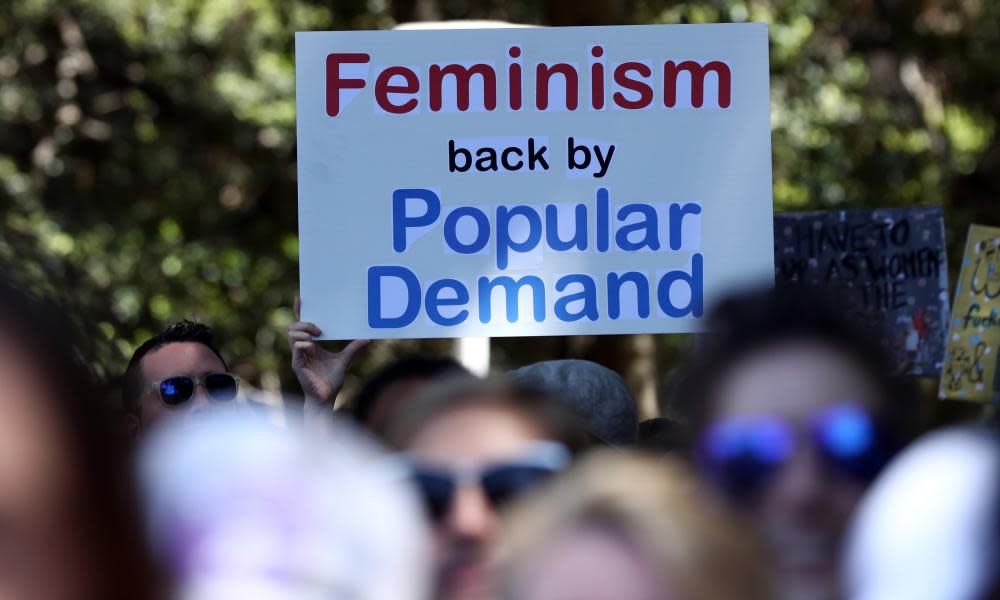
<point>147,146</point>
<point>147,161</point>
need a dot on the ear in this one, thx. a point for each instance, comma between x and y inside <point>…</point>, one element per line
<point>129,425</point>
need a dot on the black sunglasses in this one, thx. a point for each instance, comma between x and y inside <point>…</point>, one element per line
<point>741,455</point>
<point>221,387</point>
<point>500,481</point>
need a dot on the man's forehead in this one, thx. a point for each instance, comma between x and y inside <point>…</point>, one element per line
<point>180,358</point>
<point>476,433</point>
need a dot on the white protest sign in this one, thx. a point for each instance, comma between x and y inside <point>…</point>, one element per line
<point>509,182</point>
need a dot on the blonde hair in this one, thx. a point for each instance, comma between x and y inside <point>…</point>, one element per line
<point>655,505</point>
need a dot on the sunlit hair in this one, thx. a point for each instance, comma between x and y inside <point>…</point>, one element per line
<point>656,508</point>
<point>555,421</point>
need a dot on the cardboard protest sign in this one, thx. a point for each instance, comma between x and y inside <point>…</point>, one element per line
<point>970,371</point>
<point>510,182</point>
<point>890,265</point>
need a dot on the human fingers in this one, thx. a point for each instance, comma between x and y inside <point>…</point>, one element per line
<point>353,349</point>
<point>305,326</point>
<point>302,351</point>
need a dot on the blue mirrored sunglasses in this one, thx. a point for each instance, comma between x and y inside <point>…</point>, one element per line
<point>742,454</point>
<point>221,387</point>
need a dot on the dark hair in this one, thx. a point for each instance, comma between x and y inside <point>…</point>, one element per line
<point>181,331</point>
<point>402,369</point>
<point>556,421</point>
<point>106,496</point>
<point>663,435</point>
<point>749,321</point>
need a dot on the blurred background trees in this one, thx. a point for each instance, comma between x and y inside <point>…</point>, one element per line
<point>147,147</point>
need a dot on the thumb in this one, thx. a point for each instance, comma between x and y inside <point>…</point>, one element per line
<point>352,350</point>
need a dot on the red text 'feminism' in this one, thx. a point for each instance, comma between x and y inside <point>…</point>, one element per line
<point>479,86</point>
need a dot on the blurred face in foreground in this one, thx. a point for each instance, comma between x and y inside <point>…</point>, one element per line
<point>626,526</point>
<point>593,564</point>
<point>469,438</point>
<point>189,359</point>
<point>43,550</point>
<point>807,404</point>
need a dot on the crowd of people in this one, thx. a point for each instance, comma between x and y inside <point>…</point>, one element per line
<point>789,471</point>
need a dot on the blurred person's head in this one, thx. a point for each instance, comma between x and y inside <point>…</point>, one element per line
<point>594,392</point>
<point>929,529</point>
<point>240,508</point>
<point>624,526</point>
<point>474,445</point>
<point>793,412</point>
<point>179,371</point>
<point>69,525</point>
<point>397,381</point>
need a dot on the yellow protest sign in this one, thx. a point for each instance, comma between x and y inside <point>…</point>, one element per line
<point>970,362</point>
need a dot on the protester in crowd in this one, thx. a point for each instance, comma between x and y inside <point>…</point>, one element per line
<point>321,374</point>
<point>177,372</point>
<point>622,526</point>
<point>596,393</point>
<point>70,527</point>
<point>794,413</point>
<point>473,445</point>
<point>929,529</point>
<point>239,508</point>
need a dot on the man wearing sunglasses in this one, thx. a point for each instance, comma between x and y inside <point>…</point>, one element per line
<point>472,446</point>
<point>794,414</point>
<point>179,371</point>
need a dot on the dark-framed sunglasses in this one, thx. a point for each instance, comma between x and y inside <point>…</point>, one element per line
<point>221,387</point>
<point>500,481</point>
<point>742,454</point>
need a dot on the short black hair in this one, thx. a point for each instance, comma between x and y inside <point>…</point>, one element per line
<point>751,320</point>
<point>413,366</point>
<point>181,331</point>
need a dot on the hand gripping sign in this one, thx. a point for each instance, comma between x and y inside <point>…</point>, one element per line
<point>531,181</point>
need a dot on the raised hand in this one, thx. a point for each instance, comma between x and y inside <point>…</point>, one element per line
<point>320,372</point>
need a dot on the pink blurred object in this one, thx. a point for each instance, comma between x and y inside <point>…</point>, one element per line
<point>241,509</point>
